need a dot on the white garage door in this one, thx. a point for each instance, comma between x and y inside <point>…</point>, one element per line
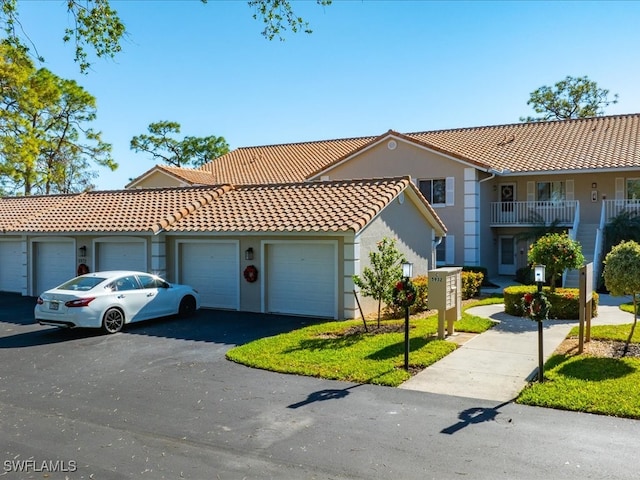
<point>122,256</point>
<point>213,270</point>
<point>54,263</point>
<point>11,266</point>
<point>301,279</point>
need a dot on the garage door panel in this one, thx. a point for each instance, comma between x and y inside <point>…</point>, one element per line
<point>122,256</point>
<point>301,279</point>
<point>54,264</point>
<point>212,269</point>
<point>11,267</point>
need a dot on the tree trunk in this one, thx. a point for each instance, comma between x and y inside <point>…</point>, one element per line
<point>633,327</point>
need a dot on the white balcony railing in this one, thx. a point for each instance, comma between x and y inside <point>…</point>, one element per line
<point>612,208</point>
<point>533,213</point>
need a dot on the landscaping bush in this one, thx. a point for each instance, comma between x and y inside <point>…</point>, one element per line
<point>471,282</point>
<point>564,302</point>
<point>421,282</point>
<point>482,270</point>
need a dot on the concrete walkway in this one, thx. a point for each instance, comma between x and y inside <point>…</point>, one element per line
<point>497,364</point>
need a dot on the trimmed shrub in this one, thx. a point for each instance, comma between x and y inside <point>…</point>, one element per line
<point>421,282</point>
<point>471,283</point>
<point>482,270</point>
<point>564,302</point>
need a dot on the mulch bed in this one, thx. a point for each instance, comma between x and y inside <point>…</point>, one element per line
<point>599,348</point>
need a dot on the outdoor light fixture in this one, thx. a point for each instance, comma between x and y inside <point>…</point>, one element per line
<point>538,274</point>
<point>248,254</point>
<point>83,251</point>
<point>407,270</point>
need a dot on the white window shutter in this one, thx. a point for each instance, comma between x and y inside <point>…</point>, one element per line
<point>531,191</point>
<point>450,249</point>
<point>619,188</point>
<point>450,194</point>
<point>570,190</point>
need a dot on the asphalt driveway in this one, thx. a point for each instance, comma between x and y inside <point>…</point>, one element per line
<point>160,400</point>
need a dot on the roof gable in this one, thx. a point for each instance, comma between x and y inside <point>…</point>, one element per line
<point>589,144</point>
<point>338,206</point>
<point>296,207</point>
<point>183,176</point>
<point>393,136</point>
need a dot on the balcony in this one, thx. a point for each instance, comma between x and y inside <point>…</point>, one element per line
<point>530,214</point>
<point>612,208</point>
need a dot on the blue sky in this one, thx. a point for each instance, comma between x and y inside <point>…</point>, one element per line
<point>369,66</point>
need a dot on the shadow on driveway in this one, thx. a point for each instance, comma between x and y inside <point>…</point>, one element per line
<point>216,326</point>
<point>222,326</point>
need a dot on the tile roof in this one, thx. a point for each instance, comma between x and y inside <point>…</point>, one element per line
<point>568,145</point>
<point>301,207</point>
<point>141,210</point>
<point>609,142</point>
<point>285,163</point>
<point>191,176</point>
<point>337,206</point>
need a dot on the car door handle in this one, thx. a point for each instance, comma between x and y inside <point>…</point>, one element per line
<point>151,294</point>
<point>120,296</point>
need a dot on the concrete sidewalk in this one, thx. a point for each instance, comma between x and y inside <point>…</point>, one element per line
<point>497,364</point>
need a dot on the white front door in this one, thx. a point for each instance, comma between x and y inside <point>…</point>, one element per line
<point>506,255</point>
<point>507,197</point>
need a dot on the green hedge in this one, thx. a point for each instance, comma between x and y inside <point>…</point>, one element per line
<point>564,301</point>
<point>471,283</point>
<point>421,283</point>
<point>482,270</point>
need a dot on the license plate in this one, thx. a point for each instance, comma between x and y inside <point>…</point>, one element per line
<point>53,305</point>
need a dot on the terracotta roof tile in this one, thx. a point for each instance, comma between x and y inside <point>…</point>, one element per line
<point>107,211</point>
<point>296,207</point>
<point>191,176</point>
<point>303,207</point>
<point>584,144</point>
<point>285,163</point>
<point>17,210</point>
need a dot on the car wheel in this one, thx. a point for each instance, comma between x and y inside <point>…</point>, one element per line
<point>113,321</point>
<point>187,307</point>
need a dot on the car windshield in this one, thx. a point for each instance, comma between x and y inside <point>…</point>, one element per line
<point>81,284</point>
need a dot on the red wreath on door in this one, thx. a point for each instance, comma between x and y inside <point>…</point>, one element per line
<point>251,274</point>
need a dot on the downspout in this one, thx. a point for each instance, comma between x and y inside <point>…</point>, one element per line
<point>436,242</point>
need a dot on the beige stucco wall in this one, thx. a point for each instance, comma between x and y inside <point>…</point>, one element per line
<point>404,223</point>
<point>418,163</point>
<point>159,180</point>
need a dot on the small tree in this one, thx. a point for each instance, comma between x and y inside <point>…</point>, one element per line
<point>622,275</point>
<point>557,252</point>
<point>386,269</point>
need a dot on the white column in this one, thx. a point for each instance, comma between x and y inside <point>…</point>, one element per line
<point>471,217</point>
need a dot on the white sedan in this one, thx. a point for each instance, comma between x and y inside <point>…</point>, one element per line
<point>109,300</point>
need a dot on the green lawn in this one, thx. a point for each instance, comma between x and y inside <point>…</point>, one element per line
<point>607,386</point>
<point>330,350</point>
